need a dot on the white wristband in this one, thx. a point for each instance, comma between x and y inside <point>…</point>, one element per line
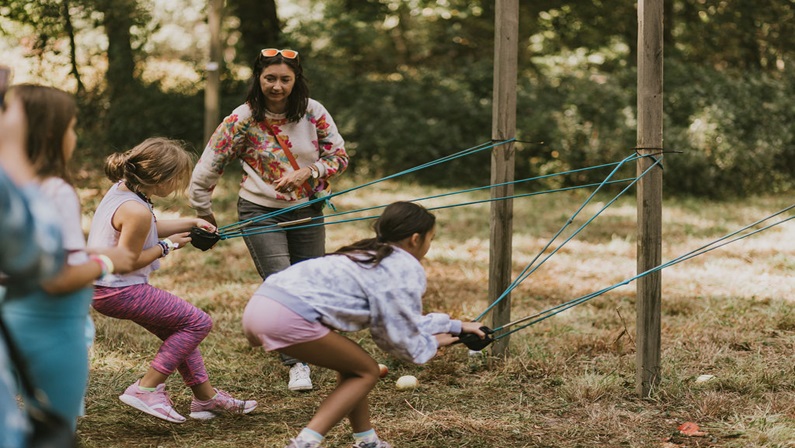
<point>106,264</point>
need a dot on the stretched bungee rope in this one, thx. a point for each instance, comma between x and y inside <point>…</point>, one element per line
<point>306,222</point>
<point>724,240</point>
<point>530,269</point>
<point>243,228</point>
<point>205,240</point>
<point>473,341</point>
<point>459,154</point>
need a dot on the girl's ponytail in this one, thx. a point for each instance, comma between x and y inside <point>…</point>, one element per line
<point>155,161</point>
<point>115,166</point>
<point>400,220</point>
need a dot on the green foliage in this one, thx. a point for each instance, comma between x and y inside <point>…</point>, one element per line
<point>734,34</point>
<point>396,124</point>
<point>46,14</point>
<point>735,131</point>
<point>149,111</point>
<point>411,81</point>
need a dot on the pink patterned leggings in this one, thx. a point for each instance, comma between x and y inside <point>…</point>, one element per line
<point>180,325</point>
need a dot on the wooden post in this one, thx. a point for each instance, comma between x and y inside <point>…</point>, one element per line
<point>506,35</point>
<point>649,194</point>
<point>212,87</point>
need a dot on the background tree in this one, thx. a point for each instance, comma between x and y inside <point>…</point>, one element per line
<point>410,80</point>
<point>118,18</point>
<point>259,27</point>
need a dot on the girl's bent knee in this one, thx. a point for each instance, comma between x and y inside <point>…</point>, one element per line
<point>369,373</point>
<point>372,374</point>
<point>203,323</point>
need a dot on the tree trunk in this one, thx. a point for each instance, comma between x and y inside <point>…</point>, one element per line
<point>121,64</point>
<point>259,27</point>
<point>70,31</point>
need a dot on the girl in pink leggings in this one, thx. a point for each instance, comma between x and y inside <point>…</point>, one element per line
<point>156,167</point>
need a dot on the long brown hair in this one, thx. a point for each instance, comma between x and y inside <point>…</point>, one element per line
<point>298,100</point>
<point>400,220</point>
<point>155,161</point>
<point>50,112</point>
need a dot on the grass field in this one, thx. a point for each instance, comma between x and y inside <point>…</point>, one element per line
<point>569,381</point>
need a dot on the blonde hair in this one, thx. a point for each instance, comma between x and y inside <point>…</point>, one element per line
<point>155,161</point>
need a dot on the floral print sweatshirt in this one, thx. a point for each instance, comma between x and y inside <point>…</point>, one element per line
<point>348,296</point>
<point>312,140</point>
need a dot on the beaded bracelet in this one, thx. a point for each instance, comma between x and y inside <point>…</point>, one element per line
<point>166,246</point>
<point>164,249</point>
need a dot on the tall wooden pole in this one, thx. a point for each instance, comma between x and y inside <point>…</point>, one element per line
<point>506,35</point>
<point>649,194</point>
<point>212,89</point>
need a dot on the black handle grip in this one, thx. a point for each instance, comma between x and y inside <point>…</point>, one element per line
<point>474,342</point>
<point>203,239</point>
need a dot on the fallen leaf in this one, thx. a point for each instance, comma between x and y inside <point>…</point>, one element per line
<point>690,429</point>
<point>704,378</point>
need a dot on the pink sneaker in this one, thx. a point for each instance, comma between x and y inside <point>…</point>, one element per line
<point>156,403</point>
<point>222,403</point>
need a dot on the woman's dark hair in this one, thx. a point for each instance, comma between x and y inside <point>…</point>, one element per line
<point>400,220</point>
<point>50,111</point>
<point>298,100</point>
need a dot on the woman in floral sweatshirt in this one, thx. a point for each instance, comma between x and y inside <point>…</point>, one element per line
<point>289,147</point>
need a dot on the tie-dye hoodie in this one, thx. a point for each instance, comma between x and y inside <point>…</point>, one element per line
<point>348,296</point>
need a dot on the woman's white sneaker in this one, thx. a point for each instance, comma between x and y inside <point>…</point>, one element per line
<point>299,377</point>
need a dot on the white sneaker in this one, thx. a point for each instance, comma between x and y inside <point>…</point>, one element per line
<point>299,377</point>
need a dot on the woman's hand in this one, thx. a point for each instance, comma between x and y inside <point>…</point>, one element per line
<point>293,180</point>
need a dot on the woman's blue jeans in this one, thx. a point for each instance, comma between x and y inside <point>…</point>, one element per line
<point>274,251</point>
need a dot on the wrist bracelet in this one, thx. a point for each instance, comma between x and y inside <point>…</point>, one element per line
<point>105,263</point>
<point>166,246</point>
<point>164,249</point>
<point>108,263</point>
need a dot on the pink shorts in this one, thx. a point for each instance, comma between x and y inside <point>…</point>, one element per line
<point>270,324</point>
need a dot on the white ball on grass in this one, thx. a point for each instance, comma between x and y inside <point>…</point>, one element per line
<point>406,382</point>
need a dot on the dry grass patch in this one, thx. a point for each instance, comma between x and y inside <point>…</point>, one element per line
<point>569,381</point>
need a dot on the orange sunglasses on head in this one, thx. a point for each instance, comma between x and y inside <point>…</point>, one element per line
<point>271,52</point>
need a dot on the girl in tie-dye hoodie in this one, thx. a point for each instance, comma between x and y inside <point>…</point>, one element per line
<point>375,283</point>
